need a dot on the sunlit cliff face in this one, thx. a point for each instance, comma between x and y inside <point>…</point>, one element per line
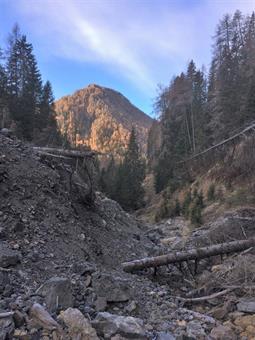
<point>102,119</point>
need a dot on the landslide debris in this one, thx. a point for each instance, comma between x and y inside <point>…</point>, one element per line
<point>60,264</point>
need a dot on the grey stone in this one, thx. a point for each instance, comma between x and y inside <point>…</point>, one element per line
<point>57,293</point>
<point>246,305</point>
<point>114,289</point>
<point>8,256</point>
<point>195,329</point>
<point>6,132</point>
<point>100,304</point>
<point>165,336</point>
<point>132,306</point>
<point>83,268</point>
<point>41,318</point>
<point>108,325</point>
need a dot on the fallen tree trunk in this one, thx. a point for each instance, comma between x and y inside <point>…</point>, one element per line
<point>192,254</point>
<point>65,152</point>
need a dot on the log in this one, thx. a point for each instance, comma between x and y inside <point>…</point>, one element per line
<point>192,254</point>
<point>65,152</point>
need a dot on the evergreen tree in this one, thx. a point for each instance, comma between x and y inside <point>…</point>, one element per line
<point>130,176</point>
<point>108,179</point>
<point>24,86</point>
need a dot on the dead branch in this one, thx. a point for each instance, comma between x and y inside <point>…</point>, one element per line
<point>205,298</point>
<point>192,254</point>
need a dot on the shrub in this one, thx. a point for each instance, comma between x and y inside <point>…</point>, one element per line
<point>186,204</point>
<point>196,213</point>
<point>211,193</point>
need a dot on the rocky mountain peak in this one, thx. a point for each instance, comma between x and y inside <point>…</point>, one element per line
<point>102,119</point>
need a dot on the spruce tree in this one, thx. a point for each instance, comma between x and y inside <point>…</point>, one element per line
<point>24,86</point>
<point>131,173</point>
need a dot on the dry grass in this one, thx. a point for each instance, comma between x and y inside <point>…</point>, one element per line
<point>235,271</point>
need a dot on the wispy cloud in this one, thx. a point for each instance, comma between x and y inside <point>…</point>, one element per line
<point>144,41</point>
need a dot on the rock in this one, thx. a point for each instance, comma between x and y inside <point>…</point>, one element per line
<point>6,328</point>
<point>57,293</point>
<point>21,334</point>
<point>79,328</point>
<point>114,289</point>
<point>40,317</point>
<point>222,311</point>
<point>165,336</point>
<point>246,326</point>
<point>246,305</point>
<point>100,304</point>
<point>195,329</point>
<point>131,307</point>
<point>108,325</point>
<point>19,318</point>
<point>8,256</point>
<point>83,268</point>
<point>223,333</point>
<point>6,132</point>
<point>245,321</point>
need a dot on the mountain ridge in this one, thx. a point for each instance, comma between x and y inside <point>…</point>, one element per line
<point>101,118</point>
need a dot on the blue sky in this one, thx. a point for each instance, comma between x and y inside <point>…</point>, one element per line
<point>128,45</point>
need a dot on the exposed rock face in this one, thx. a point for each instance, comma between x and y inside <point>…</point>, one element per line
<point>102,119</point>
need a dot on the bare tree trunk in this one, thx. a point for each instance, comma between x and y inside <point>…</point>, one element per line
<point>67,153</point>
<point>192,254</point>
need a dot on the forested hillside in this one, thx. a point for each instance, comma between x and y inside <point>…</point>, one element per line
<point>199,109</point>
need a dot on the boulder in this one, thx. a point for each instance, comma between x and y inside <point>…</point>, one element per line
<point>8,256</point>
<point>57,293</point>
<point>6,132</point>
<point>79,328</point>
<point>246,305</point>
<point>41,318</point>
<point>83,268</point>
<point>223,333</point>
<point>107,325</point>
<point>6,327</point>
<point>112,288</point>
